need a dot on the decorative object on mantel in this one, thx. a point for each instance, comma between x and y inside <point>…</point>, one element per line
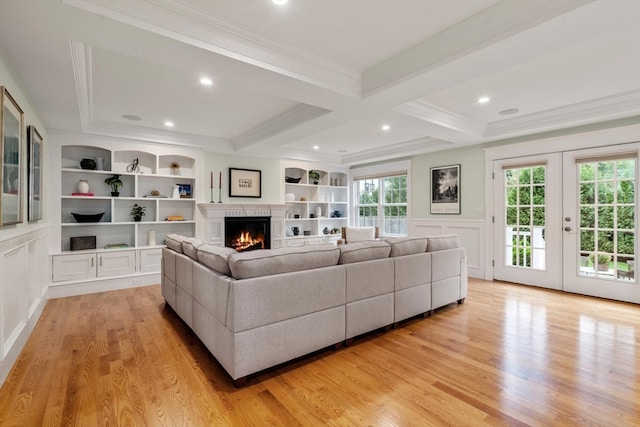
<point>211,187</point>
<point>175,168</point>
<point>137,212</point>
<point>83,186</point>
<point>245,183</point>
<point>115,183</point>
<point>220,188</point>
<point>88,164</point>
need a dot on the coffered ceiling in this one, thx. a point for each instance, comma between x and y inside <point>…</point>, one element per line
<point>324,73</point>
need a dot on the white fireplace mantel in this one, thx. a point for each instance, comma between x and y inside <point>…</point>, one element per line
<point>215,213</point>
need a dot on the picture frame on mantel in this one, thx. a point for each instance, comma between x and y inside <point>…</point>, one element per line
<point>445,190</point>
<point>245,183</point>
<point>34,174</point>
<point>11,154</point>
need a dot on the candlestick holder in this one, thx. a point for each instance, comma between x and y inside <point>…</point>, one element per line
<point>211,196</point>
<point>220,195</point>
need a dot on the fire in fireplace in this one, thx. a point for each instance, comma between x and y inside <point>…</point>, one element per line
<point>247,233</point>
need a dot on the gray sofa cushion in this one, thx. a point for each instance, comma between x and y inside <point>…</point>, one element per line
<point>190,247</point>
<point>407,246</point>
<point>174,241</point>
<point>216,258</point>
<point>364,251</point>
<point>442,242</point>
<point>245,265</point>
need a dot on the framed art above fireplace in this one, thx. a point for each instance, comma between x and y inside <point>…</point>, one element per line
<point>245,183</point>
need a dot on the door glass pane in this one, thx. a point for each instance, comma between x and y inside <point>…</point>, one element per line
<point>525,217</point>
<point>607,219</point>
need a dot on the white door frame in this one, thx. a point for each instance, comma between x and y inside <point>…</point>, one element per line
<point>593,139</point>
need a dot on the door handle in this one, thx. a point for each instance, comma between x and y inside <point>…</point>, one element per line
<point>567,229</point>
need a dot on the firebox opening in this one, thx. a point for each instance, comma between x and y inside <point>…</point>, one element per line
<point>247,233</point>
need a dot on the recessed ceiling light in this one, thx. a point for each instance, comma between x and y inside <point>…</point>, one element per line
<point>279,2</point>
<point>206,81</point>
<point>386,127</point>
<point>315,147</point>
<point>168,123</point>
<point>131,117</point>
<point>509,111</point>
<point>483,99</point>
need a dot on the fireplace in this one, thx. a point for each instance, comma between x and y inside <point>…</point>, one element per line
<point>247,233</point>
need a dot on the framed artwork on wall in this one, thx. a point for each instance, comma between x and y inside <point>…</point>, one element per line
<point>11,155</point>
<point>445,190</point>
<point>245,183</point>
<point>34,174</point>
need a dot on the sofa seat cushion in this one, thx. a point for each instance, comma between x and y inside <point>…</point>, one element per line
<point>216,258</point>
<point>174,242</point>
<point>443,242</point>
<point>364,251</point>
<point>407,246</point>
<point>245,265</point>
<point>190,247</point>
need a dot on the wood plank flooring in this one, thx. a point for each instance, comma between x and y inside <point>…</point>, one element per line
<point>510,355</point>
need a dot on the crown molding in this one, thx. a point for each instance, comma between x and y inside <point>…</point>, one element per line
<point>82,64</point>
<point>616,106</point>
<point>403,149</point>
<point>498,22</point>
<point>188,24</point>
<point>431,113</point>
<point>291,118</point>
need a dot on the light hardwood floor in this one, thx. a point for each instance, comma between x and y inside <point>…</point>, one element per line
<point>510,355</point>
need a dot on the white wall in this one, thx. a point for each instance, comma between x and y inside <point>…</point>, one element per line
<point>24,267</point>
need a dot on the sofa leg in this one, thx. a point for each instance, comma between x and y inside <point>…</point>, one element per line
<point>461,301</point>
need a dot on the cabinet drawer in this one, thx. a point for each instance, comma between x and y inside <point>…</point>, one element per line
<point>150,260</point>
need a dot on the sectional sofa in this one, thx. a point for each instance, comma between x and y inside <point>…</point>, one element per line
<point>254,310</point>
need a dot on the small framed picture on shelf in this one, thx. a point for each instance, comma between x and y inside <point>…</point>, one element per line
<point>185,191</point>
<point>245,183</point>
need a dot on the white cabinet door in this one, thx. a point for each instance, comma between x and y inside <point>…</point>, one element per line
<point>74,267</point>
<point>150,260</point>
<point>118,263</point>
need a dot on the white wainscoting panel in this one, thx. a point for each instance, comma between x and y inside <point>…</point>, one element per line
<point>23,283</point>
<point>471,233</point>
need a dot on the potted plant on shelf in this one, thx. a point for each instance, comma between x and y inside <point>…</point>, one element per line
<point>137,212</point>
<point>314,176</point>
<point>115,183</point>
<point>175,168</point>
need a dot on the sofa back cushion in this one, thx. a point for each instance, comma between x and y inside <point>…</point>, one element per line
<point>190,247</point>
<point>443,242</point>
<point>174,242</point>
<point>245,265</point>
<point>216,258</point>
<point>364,251</point>
<point>407,246</point>
<point>359,234</point>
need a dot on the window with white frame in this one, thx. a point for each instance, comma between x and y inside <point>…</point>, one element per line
<point>382,200</point>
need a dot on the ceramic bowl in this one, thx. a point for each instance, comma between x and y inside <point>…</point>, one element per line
<point>88,217</point>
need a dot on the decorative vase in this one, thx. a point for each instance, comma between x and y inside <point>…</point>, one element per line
<point>83,186</point>
<point>176,192</point>
<point>151,238</point>
<point>88,164</point>
<point>325,230</point>
<point>99,163</point>
<point>115,193</point>
<point>137,218</point>
<point>318,212</point>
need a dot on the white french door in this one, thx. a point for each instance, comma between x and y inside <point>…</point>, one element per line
<point>600,222</point>
<point>568,221</point>
<point>527,237</point>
